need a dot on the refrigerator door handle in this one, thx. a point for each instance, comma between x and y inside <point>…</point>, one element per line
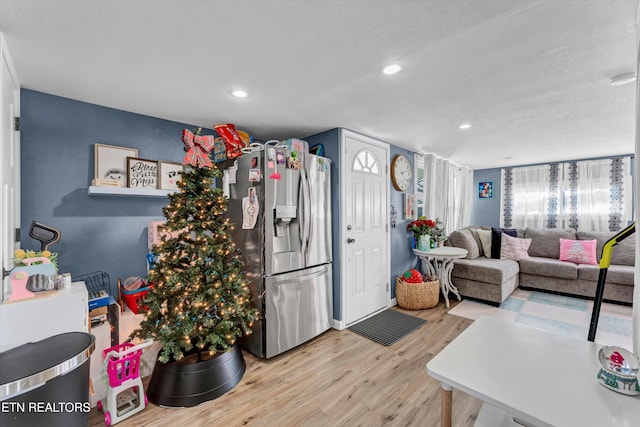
<point>298,279</point>
<point>301,217</point>
<point>306,204</point>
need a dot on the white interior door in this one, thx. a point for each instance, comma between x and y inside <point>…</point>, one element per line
<point>9,162</point>
<point>364,222</point>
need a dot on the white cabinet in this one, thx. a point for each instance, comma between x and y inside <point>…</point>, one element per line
<point>35,319</point>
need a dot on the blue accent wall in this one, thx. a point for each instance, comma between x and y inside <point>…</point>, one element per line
<point>401,256</point>
<point>57,161</point>
<point>486,211</point>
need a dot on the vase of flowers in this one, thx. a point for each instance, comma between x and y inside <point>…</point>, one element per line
<point>427,233</point>
<point>24,258</point>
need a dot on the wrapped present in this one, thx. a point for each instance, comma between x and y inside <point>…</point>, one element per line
<point>154,235</point>
<point>233,142</point>
<point>219,150</point>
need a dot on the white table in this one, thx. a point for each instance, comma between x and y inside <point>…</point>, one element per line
<point>540,378</point>
<point>439,262</point>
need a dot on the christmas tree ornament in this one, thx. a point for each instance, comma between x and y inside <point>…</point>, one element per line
<point>197,148</point>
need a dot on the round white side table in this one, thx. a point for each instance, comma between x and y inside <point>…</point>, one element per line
<point>439,262</point>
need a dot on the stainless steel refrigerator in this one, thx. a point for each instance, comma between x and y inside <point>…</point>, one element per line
<point>280,202</point>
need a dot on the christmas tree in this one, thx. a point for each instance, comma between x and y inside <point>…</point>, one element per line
<point>200,300</point>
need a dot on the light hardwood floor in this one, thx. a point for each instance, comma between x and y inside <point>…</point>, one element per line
<point>337,379</point>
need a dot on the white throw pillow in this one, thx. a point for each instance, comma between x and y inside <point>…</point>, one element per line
<point>485,239</point>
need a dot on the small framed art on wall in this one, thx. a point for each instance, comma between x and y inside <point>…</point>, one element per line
<point>142,173</point>
<point>110,162</point>
<point>409,201</point>
<point>485,190</point>
<point>169,174</point>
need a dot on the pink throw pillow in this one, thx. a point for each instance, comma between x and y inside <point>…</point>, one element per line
<point>578,251</point>
<point>514,248</point>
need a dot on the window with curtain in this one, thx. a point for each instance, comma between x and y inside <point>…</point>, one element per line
<point>418,184</point>
<point>444,191</point>
<point>589,195</point>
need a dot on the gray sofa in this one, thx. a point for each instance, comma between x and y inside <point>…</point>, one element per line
<point>481,277</point>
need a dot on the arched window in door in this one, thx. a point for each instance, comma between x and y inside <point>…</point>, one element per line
<point>366,162</point>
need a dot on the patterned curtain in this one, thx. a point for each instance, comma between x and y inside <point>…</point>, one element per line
<point>552,214</point>
<point>586,195</point>
<point>507,198</point>
<point>526,197</point>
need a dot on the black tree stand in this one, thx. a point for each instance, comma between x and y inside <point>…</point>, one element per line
<point>189,382</point>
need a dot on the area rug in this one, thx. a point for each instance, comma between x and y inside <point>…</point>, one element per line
<point>558,314</point>
<point>387,327</point>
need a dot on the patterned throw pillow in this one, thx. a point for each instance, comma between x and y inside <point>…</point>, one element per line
<point>578,251</point>
<point>514,248</point>
<point>496,241</point>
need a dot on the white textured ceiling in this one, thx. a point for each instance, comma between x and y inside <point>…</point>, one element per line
<point>532,77</point>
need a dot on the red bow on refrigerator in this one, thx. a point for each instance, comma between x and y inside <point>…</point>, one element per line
<point>197,148</point>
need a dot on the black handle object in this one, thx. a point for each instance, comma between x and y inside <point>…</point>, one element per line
<point>45,234</point>
<point>605,261</point>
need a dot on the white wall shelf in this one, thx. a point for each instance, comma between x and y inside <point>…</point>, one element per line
<point>128,192</point>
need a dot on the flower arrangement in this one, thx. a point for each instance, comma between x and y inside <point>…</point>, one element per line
<point>20,255</point>
<point>422,226</point>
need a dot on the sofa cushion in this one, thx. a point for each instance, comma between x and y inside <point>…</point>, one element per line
<point>496,239</point>
<point>485,270</point>
<point>578,251</point>
<point>463,239</point>
<point>546,243</point>
<point>541,266</point>
<point>616,274</point>
<point>514,248</point>
<point>624,253</point>
<point>474,233</point>
<point>485,240</point>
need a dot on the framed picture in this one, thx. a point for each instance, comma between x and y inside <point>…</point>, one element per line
<point>110,162</point>
<point>142,173</point>
<point>409,211</point>
<point>169,174</point>
<point>485,189</point>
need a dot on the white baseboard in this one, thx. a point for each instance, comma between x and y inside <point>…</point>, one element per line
<point>340,324</point>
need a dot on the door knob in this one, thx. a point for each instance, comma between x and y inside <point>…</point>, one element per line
<point>350,240</point>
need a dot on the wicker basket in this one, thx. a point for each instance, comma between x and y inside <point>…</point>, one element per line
<point>417,296</point>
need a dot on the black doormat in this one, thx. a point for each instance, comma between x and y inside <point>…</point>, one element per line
<point>387,327</point>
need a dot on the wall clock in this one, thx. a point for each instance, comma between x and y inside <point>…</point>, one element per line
<point>401,172</point>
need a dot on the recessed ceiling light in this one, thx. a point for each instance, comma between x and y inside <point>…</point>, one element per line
<point>391,69</point>
<point>464,126</point>
<point>239,93</point>
<point>622,79</point>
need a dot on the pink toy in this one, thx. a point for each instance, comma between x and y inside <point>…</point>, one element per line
<point>125,394</point>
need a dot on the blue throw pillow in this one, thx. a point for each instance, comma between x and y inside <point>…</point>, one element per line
<point>496,239</point>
